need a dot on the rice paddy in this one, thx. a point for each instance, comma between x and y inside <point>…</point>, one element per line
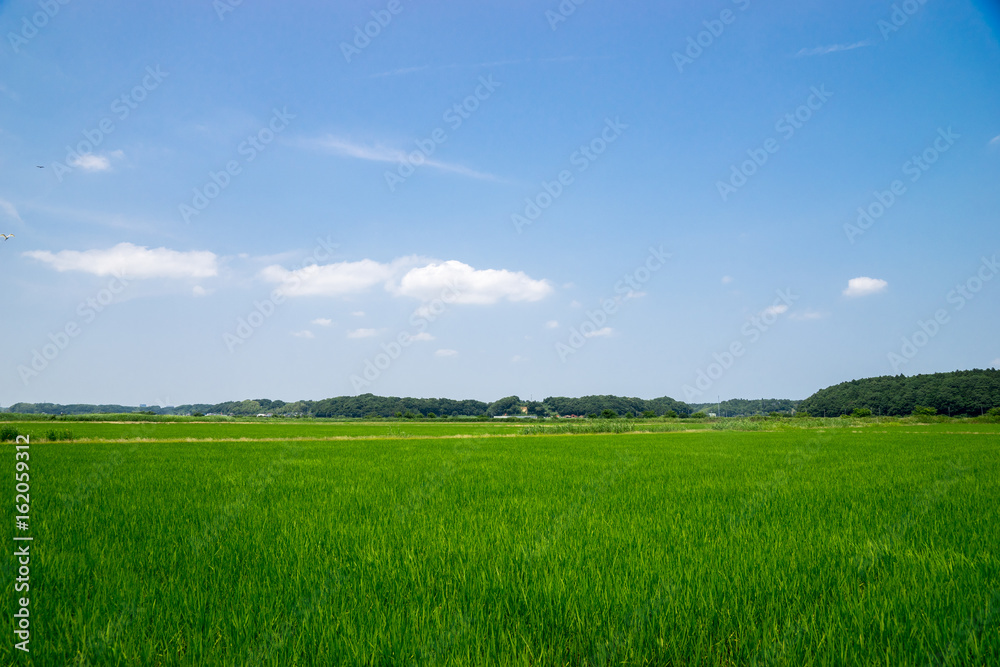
<point>820,546</point>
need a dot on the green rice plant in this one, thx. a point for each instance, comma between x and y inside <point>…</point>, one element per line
<point>807,546</point>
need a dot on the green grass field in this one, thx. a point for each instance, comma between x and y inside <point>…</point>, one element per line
<point>837,546</point>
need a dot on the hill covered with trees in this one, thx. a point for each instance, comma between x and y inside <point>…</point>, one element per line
<point>959,393</point>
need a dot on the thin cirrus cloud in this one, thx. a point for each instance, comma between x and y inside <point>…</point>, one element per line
<point>833,48</point>
<point>132,261</point>
<point>379,153</point>
<point>452,281</point>
<point>864,286</point>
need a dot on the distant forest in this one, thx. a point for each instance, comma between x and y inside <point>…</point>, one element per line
<point>959,393</point>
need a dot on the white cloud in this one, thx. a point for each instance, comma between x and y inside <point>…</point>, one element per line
<point>833,48</point>
<point>9,211</point>
<point>303,334</point>
<point>380,153</point>
<point>864,286</point>
<point>777,309</point>
<point>198,290</point>
<point>995,141</point>
<point>996,363</point>
<point>423,335</point>
<point>445,353</point>
<point>451,281</point>
<point>726,280</point>
<point>358,313</point>
<point>517,358</point>
<point>362,333</point>
<point>328,280</point>
<point>132,261</point>
<point>94,162</point>
<point>464,284</point>
<point>322,321</point>
<point>600,333</point>
<point>575,304</point>
<point>808,315</point>
<point>552,324</point>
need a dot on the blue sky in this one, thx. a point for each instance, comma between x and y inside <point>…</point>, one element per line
<point>482,199</point>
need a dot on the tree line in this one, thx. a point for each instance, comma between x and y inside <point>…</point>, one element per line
<point>958,393</point>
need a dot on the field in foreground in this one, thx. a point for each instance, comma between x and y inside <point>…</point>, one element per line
<point>799,547</point>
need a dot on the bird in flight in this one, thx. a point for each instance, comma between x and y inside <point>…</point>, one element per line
<point>7,236</point>
<point>40,166</point>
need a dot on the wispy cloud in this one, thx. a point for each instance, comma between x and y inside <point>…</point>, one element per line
<point>322,321</point>
<point>9,211</point>
<point>381,153</point>
<point>995,141</point>
<point>445,353</point>
<point>808,315</point>
<point>833,48</point>
<point>600,333</point>
<point>303,334</point>
<point>778,309</point>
